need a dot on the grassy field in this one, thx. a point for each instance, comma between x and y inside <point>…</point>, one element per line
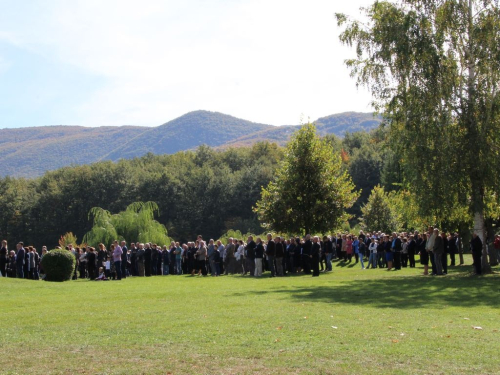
<point>348,321</point>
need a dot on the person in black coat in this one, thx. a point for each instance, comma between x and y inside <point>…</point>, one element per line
<point>125,261</point>
<point>91,263</point>
<point>4,254</point>
<point>20,259</point>
<point>250,256</point>
<point>444,259</point>
<point>315,255</point>
<point>412,246</point>
<point>452,248</point>
<point>147,260</point>
<point>297,256</point>
<point>396,246</point>
<point>306,255</point>
<point>476,246</point>
<point>271,253</point>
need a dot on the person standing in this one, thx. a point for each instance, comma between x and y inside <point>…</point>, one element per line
<point>306,255</point>
<point>240,257</point>
<point>431,237</point>
<point>271,253</point>
<point>437,251</point>
<point>4,253</point>
<point>222,255</point>
<point>91,259</point>
<point>412,246</point>
<point>101,256</point>
<point>117,260</point>
<point>476,246</point>
<point>460,248</point>
<point>328,245</point>
<point>250,256</point>
<point>444,256</point>
<point>396,247</point>
<point>279,254</point>
<point>357,245</point>
<point>452,248</point>
<point>404,253</point>
<point>20,259</point>
<point>202,258</point>
<point>372,260</point>
<point>178,257</point>
<point>147,259</point>
<point>141,268</point>
<point>259,254</point>
<point>124,260</point>
<point>211,257</point>
<point>315,253</point>
<point>12,264</point>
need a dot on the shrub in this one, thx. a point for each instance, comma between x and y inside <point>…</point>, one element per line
<point>59,265</point>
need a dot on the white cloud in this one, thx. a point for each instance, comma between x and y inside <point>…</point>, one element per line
<point>266,61</point>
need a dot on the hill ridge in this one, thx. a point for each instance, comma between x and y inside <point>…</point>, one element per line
<point>31,151</point>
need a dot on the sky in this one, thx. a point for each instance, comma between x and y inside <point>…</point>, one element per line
<point>128,62</point>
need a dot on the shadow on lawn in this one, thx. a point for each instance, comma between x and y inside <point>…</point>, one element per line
<point>404,292</point>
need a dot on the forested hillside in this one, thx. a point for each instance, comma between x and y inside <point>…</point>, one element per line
<point>29,152</point>
<point>205,191</point>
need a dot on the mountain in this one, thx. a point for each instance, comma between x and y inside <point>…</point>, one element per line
<point>187,132</point>
<point>29,152</point>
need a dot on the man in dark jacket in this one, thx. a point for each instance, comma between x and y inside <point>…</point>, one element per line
<point>412,247</point>
<point>20,256</point>
<point>124,260</point>
<point>306,255</point>
<point>250,256</point>
<point>147,260</point>
<point>315,253</point>
<point>271,253</point>
<point>396,247</point>
<point>280,253</point>
<point>476,246</point>
<point>328,245</point>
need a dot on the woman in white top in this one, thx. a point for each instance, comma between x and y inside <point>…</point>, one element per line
<point>240,257</point>
<point>373,253</point>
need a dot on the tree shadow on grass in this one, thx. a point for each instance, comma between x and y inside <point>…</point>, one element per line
<point>403,292</point>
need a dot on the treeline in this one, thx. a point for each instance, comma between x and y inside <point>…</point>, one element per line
<point>205,191</point>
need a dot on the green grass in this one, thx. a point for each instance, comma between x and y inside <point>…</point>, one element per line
<point>391,322</point>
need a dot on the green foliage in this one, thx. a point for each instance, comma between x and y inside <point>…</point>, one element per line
<point>58,265</point>
<point>433,69</point>
<point>135,224</point>
<point>67,239</point>
<point>310,192</point>
<point>379,214</point>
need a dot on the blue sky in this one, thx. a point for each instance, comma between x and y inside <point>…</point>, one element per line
<point>93,63</point>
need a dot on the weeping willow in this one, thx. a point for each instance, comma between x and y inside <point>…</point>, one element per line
<point>136,223</point>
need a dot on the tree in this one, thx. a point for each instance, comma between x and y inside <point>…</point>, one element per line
<point>136,223</point>
<point>378,213</point>
<point>433,68</point>
<point>310,191</point>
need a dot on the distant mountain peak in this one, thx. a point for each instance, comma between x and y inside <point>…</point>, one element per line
<point>29,152</point>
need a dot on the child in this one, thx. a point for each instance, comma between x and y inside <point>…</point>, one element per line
<point>102,275</point>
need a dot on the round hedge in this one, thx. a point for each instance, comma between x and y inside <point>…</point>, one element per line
<point>58,265</point>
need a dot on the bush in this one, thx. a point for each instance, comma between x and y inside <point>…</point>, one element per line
<point>59,265</point>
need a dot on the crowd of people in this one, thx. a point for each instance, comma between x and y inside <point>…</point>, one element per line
<point>277,255</point>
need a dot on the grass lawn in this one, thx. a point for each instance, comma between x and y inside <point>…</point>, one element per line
<point>348,321</point>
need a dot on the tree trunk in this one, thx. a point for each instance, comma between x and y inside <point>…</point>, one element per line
<point>479,229</point>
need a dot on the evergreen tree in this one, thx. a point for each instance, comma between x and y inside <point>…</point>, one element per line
<point>378,213</point>
<point>310,191</point>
